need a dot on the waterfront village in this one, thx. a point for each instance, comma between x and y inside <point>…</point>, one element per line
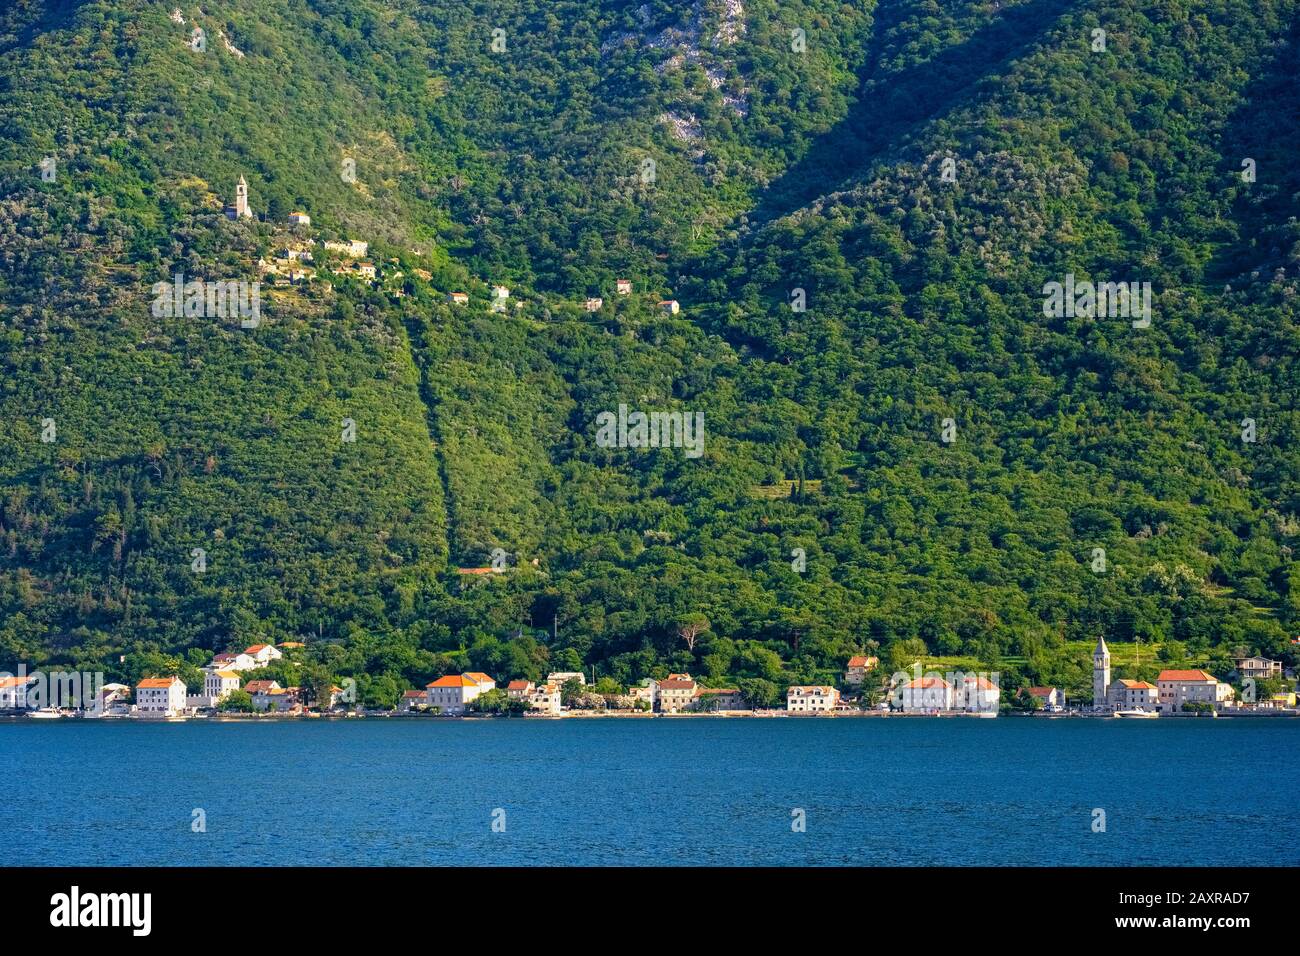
<point>231,687</point>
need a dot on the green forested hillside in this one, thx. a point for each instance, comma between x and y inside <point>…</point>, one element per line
<point>717,153</point>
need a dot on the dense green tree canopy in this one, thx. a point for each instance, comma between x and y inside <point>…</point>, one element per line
<point>915,459</point>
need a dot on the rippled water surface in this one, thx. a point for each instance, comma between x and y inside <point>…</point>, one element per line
<point>651,792</point>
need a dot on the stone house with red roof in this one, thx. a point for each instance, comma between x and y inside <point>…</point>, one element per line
<point>1178,687</point>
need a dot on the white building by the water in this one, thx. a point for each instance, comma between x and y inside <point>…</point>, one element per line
<point>160,697</point>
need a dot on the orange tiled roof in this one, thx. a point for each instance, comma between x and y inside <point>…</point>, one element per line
<point>480,677</point>
<point>927,682</point>
<point>16,681</point>
<point>256,648</point>
<point>452,680</point>
<point>157,682</point>
<point>1197,675</point>
<point>518,685</point>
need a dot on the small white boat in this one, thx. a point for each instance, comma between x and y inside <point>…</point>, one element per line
<point>1137,713</point>
<point>45,713</point>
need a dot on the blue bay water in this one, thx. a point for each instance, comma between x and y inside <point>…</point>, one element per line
<point>651,792</point>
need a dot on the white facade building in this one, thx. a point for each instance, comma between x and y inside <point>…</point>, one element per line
<point>1052,698</point>
<point>810,699</point>
<point>926,694</point>
<point>13,691</point>
<point>484,681</point>
<point>160,697</point>
<point>975,692</point>
<point>263,654</point>
<point>233,662</point>
<point>546,699</point>
<point>218,685</point>
<point>1132,695</point>
<point>453,693</point>
<point>1178,687</point>
<point>562,677</point>
<point>115,699</point>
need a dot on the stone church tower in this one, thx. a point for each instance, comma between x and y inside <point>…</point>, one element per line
<point>241,200</point>
<point>1100,673</point>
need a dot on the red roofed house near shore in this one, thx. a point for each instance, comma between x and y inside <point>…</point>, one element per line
<point>975,692</point>
<point>719,698</point>
<point>926,694</point>
<point>453,693</point>
<point>1125,694</point>
<point>1177,687</point>
<point>1051,698</point>
<point>413,699</point>
<point>858,667</point>
<point>676,693</point>
<point>160,697</point>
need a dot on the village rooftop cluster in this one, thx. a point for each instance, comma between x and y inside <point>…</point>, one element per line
<point>295,263</point>
<point>864,690</point>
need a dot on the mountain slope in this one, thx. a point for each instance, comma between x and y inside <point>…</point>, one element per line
<point>521,158</point>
